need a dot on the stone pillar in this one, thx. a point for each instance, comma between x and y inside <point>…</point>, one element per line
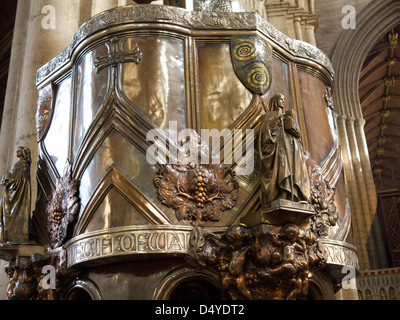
<point>311,6</point>
<point>297,28</point>
<point>376,228</point>
<point>34,44</point>
<point>358,224</point>
<point>364,214</point>
<point>309,34</point>
<point>103,5</point>
<point>7,133</point>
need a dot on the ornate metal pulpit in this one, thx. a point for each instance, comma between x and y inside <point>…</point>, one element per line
<point>116,225</point>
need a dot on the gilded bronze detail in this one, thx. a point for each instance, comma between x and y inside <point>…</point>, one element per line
<point>283,169</point>
<point>197,192</point>
<point>62,208</point>
<point>322,198</point>
<point>15,205</point>
<point>260,263</point>
<point>252,58</point>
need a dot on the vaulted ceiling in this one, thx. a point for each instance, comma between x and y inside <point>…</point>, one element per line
<point>380,102</point>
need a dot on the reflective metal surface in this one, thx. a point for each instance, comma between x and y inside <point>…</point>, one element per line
<point>157,85</point>
<point>319,132</point>
<point>148,66</point>
<point>60,127</point>
<point>91,89</point>
<point>223,97</point>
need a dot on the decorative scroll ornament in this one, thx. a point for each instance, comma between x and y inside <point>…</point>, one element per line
<point>44,111</point>
<point>258,263</point>
<point>62,208</point>
<point>197,192</point>
<point>252,59</point>
<point>117,55</point>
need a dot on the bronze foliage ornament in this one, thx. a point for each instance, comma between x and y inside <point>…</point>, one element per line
<point>197,192</point>
<point>259,263</point>
<point>322,198</point>
<point>62,207</point>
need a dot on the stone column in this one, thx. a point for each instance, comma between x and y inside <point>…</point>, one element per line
<point>33,45</point>
<point>124,2</point>
<point>309,34</point>
<point>7,133</point>
<point>358,224</point>
<point>311,6</point>
<point>297,28</point>
<point>381,258</point>
<point>365,213</point>
<point>103,5</point>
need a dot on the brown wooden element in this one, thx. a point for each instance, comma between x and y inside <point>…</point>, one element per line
<point>389,205</point>
<point>379,92</point>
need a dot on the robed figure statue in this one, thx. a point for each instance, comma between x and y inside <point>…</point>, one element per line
<point>15,203</point>
<point>284,173</point>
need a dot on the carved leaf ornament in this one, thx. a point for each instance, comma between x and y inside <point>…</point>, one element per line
<point>197,192</point>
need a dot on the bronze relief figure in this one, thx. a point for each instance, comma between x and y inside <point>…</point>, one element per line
<point>15,203</point>
<point>284,172</point>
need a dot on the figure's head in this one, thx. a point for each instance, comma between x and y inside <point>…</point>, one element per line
<point>290,232</point>
<point>24,154</point>
<point>277,102</point>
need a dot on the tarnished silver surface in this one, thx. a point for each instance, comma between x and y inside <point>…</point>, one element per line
<point>187,19</point>
<point>133,240</point>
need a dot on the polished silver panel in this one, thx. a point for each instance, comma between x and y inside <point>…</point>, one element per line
<point>90,93</point>
<point>60,127</point>
<point>125,241</point>
<point>118,152</point>
<point>115,211</point>
<point>157,85</point>
<point>223,97</point>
